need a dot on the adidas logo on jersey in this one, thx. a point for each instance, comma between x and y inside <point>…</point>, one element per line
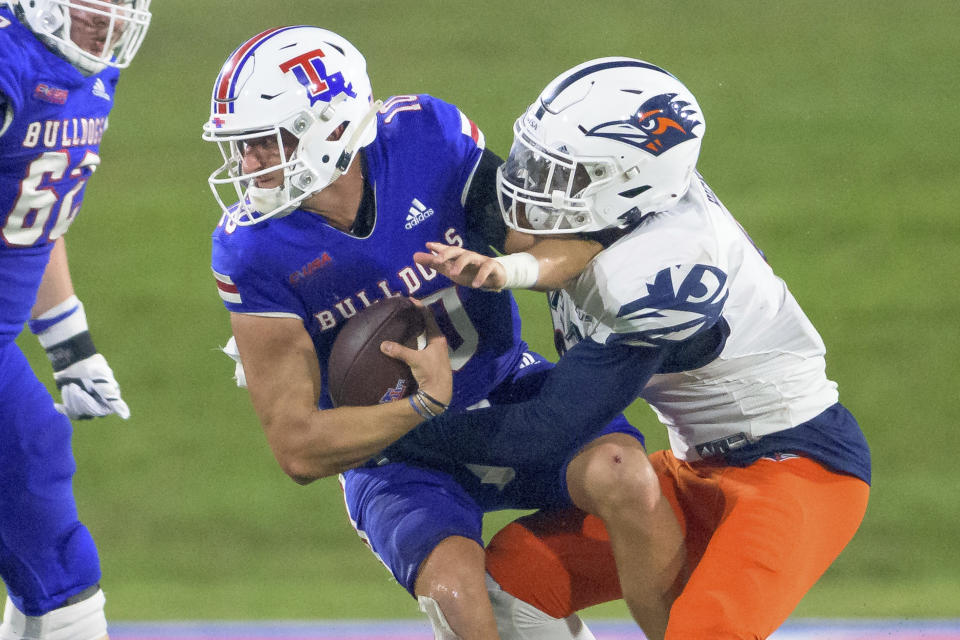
<point>100,90</point>
<point>417,214</point>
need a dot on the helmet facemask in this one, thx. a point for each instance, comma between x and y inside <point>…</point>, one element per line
<point>313,150</point>
<point>254,200</point>
<point>89,34</point>
<point>544,191</point>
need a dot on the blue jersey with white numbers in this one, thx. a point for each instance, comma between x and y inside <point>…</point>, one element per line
<point>52,119</point>
<point>419,168</point>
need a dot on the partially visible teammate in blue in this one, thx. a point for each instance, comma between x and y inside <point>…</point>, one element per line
<point>326,196</point>
<point>57,81</point>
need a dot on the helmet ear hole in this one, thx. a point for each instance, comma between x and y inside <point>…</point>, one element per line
<point>337,133</point>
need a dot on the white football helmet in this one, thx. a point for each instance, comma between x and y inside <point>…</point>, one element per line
<point>302,80</point>
<point>114,28</point>
<point>605,144</point>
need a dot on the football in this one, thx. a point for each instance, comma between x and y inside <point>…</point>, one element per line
<point>358,374</point>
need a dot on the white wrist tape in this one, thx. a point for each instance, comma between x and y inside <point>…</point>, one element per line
<point>522,270</point>
<point>72,322</point>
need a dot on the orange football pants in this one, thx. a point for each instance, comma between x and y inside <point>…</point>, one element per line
<point>757,538</point>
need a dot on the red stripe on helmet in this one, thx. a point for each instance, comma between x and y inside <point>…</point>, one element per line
<point>230,68</point>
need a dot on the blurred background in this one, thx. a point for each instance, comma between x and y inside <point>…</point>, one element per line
<point>832,135</point>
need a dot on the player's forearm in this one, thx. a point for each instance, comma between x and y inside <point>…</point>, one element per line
<point>561,259</point>
<point>330,441</point>
<point>56,285</point>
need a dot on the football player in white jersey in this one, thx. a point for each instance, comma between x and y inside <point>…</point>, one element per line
<point>768,473</point>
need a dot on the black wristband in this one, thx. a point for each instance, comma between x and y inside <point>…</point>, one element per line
<point>63,354</point>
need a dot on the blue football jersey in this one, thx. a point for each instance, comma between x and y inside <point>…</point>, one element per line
<point>419,169</point>
<point>49,148</point>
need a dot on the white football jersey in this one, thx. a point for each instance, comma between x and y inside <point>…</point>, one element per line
<point>679,274</point>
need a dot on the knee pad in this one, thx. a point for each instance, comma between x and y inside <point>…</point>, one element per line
<point>84,620</point>
<point>441,628</point>
<point>518,620</point>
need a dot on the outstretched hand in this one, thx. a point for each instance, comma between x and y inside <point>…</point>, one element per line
<point>430,365</point>
<point>463,266</point>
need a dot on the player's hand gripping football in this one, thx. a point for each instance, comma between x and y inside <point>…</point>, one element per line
<point>463,266</point>
<point>87,385</point>
<point>430,365</point>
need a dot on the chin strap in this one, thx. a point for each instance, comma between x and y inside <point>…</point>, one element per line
<point>343,163</point>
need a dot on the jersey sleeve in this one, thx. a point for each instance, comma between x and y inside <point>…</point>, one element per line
<point>464,141</point>
<point>482,208</point>
<point>11,76</point>
<point>655,292</point>
<point>247,283</point>
<point>476,176</point>
<point>6,114</point>
<point>444,140</point>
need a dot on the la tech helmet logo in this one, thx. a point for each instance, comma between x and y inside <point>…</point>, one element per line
<point>309,71</point>
<point>659,124</point>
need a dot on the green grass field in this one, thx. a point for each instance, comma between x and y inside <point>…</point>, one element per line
<point>832,135</point>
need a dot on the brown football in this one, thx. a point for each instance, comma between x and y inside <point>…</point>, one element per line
<point>358,374</point>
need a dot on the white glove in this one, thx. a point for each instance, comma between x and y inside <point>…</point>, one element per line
<point>86,382</point>
<point>89,390</point>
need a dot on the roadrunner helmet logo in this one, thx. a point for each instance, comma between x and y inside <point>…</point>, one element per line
<point>659,124</point>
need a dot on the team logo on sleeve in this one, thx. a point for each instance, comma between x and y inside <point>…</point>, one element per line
<point>680,302</point>
<point>659,124</point>
<point>309,71</point>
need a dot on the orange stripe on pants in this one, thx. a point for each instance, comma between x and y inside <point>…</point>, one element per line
<point>757,539</point>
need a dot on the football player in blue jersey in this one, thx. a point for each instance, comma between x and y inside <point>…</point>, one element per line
<point>55,94</point>
<point>326,195</point>
<point>768,472</point>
